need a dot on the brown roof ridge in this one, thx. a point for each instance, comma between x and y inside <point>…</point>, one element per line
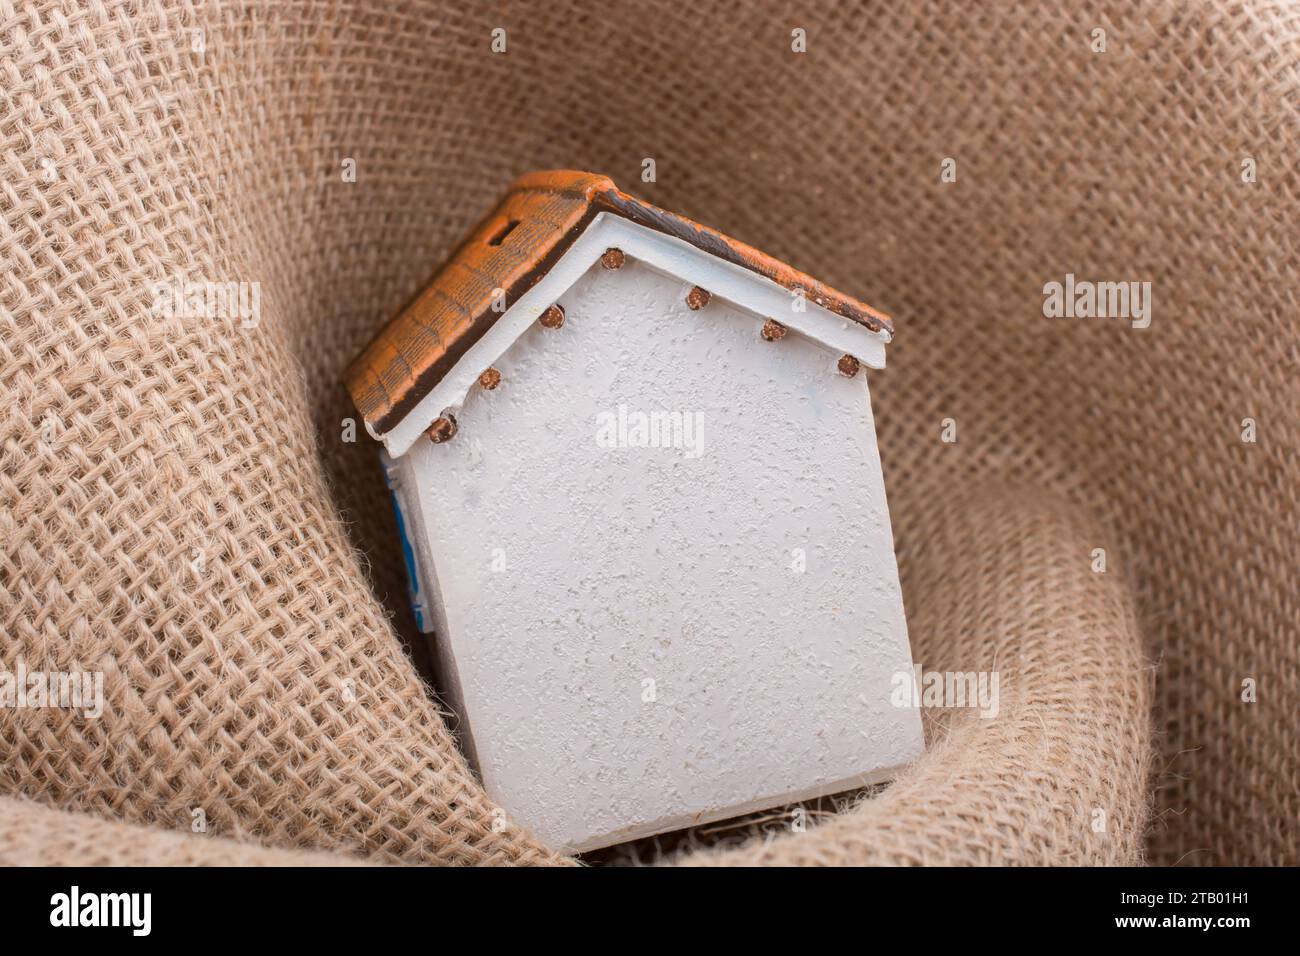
<point>511,249</point>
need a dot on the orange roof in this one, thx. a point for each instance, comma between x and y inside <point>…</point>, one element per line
<point>512,249</point>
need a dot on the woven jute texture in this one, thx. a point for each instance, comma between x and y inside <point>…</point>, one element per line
<point>182,509</point>
<point>33,835</point>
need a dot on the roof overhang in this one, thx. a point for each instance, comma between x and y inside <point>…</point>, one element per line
<point>550,228</point>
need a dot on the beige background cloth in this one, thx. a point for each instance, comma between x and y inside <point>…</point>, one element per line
<point>178,508</point>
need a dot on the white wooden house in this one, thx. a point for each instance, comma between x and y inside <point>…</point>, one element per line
<point>635,468</point>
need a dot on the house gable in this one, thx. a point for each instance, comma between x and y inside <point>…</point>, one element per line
<point>548,231</point>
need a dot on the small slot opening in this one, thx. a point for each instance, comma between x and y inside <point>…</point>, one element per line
<point>504,231</point>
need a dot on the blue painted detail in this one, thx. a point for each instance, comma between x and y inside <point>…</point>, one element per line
<point>408,555</point>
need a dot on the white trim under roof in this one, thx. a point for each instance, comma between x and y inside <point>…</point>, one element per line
<point>668,254</point>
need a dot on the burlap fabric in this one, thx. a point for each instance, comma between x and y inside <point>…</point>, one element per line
<point>179,508</point>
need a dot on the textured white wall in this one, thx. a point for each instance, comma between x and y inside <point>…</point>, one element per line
<point>670,564</point>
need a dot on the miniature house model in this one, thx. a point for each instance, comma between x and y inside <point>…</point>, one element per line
<point>636,475</point>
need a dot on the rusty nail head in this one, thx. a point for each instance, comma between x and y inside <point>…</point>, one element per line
<point>553,317</point>
<point>698,298</point>
<point>490,379</point>
<point>849,365</point>
<point>612,258</point>
<point>773,331</point>
<point>443,428</point>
